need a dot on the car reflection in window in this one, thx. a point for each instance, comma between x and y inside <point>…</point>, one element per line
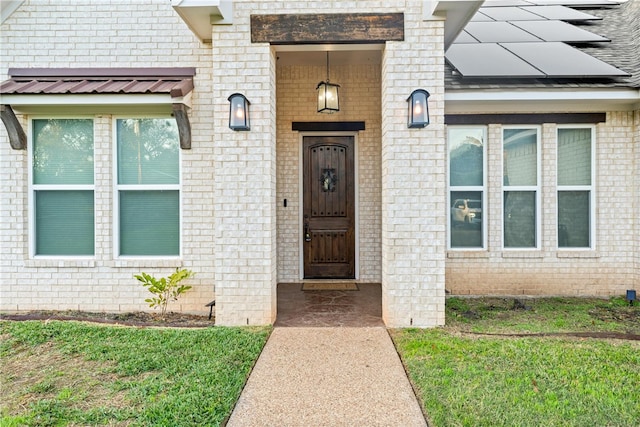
<point>466,211</point>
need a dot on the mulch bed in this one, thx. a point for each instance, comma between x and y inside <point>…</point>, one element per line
<point>139,318</point>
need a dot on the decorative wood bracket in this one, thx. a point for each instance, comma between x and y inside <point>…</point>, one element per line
<point>17,136</point>
<point>184,126</point>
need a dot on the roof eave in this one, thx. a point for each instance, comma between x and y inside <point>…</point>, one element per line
<point>200,15</point>
<point>456,14</point>
<point>7,7</point>
<point>543,100</point>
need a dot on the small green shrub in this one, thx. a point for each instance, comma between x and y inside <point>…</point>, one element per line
<point>165,289</point>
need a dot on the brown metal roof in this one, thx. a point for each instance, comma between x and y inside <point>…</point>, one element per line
<point>176,82</point>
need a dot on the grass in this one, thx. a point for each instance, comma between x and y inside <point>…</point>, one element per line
<point>464,378</point>
<point>72,373</point>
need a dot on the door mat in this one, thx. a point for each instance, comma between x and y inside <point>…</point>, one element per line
<point>320,286</point>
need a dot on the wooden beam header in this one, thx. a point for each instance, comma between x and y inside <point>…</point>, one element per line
<point>327,28</point>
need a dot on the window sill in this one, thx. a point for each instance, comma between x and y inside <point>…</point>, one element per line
<point>587,253</point>
<point>459,254</point>
<point>146,263</point>
<point>60,263</point>
<point>522,254</point>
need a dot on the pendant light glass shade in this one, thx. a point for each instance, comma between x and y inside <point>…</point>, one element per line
<point>328,101</point>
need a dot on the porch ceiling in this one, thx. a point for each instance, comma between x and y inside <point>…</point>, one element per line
<point>340,55</point>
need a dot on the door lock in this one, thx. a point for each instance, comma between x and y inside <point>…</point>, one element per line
<point>307,234</point>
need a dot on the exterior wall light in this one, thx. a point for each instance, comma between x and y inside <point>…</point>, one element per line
<point>239,112</point>
<point>328,95</point>
<point>418,116</point>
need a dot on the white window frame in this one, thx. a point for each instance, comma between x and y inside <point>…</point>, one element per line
<point>43,187</point>
<point>590,188</point>
<point>128,187</point>
<point>477,188</point>
<point>525,188</point>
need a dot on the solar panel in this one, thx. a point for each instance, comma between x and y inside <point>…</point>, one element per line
<point>577,3</point>
<point>562,13</point>
<point>526,39</point>
<point>488,60</point>
<point>509,14</point>
<point>481,17</point>
<point>495,32</point>
<point>559,31</point>
<point>507,3</point>
<point>557,59</point>
<point>465,37</point>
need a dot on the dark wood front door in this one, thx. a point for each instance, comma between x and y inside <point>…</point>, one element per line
<point>328,214</point>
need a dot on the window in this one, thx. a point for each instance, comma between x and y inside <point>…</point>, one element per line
<point>466,187</point>
<point>520,187</point>
<point>575,150</point>
<point>148,187</point>
<point>63,187</point>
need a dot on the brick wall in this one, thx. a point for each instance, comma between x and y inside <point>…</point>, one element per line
<point>413,179</point>
<point>636,191</point>
<point>244,181</point>
<point>127,33</point>
<point>237,236</point>
<point>607,269</point>
<point>229,225</point>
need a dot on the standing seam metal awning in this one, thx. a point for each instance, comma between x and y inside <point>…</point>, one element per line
<point>175,84</point>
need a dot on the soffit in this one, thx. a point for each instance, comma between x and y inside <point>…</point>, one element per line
<point>199,15</point>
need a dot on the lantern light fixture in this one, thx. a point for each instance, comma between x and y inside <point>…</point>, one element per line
<point>328,101</point>
<point>418,114</point>
<point>239,112</point>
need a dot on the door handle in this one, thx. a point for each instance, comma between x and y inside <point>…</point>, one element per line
<point>307,234</point>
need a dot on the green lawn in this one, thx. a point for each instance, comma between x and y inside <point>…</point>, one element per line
<point>466,378</point>
<point>473,372</point>
<point>72,373</point>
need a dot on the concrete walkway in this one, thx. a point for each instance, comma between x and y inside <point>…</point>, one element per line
<point>332,376</point>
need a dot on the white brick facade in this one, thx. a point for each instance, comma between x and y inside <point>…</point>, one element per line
<point>413,180</point>
<point>636,191</point>
<point>237,235</point>
<point>103,34</point>
<point>609,268</point>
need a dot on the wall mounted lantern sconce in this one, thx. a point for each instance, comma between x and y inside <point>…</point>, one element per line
<point>239,112</point>
<point>328,95</point>
<point>418,109</point>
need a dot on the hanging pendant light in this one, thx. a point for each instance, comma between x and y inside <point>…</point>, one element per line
<point>328,95</point>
